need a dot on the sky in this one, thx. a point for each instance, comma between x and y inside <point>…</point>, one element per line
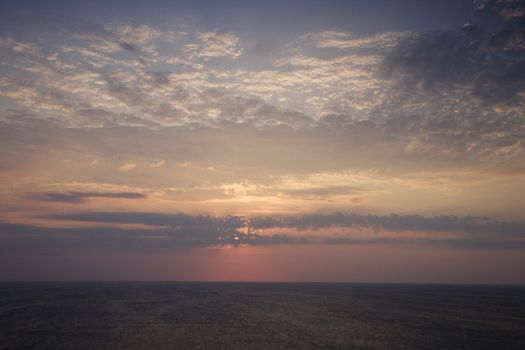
<point>332,141</point>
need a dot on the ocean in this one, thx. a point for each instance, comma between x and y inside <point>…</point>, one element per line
<point>208,315</point>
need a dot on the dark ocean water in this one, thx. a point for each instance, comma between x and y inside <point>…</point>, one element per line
<point>260,316</point>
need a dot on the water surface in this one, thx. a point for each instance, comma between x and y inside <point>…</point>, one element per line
<point>100,315</point>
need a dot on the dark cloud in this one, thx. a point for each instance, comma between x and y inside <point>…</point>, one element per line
<point>393,222</point>
<point>157,219</point>
<point>160,77</point>
<point>487,65</point>
<point>186,231</point>
<point>508,9</point>
<point>182,231</point>
<point>130,95</point>
<point>77,197</point>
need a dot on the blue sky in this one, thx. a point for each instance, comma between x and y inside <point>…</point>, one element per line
<point>276,18</point>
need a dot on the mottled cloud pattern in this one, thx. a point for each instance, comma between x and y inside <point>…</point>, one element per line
<point>471,61</point>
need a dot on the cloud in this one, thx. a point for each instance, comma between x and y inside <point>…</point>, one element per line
<point>428,104</point>
<point>508,9</point>
<point>25,238</point>
<point>444,223</point>
<point>162,231</point>
<point>393,222</point>
<point>158,164</point>
<point>78,197</point>
<point>193,223</point>
<point>213,44</point>
<point>160,77</point>
<point>127,166</point>
<point>106,39</point>
<point>138,35</point>
<point>119,87</point>
<point>322,192</point>
<point>347,40</point>
<point>472,62</point>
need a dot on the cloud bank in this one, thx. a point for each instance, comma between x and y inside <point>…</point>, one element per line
<point>158,232</point>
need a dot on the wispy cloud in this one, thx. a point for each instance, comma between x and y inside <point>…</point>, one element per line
<point>78,197</point>
<point>127,166</point>
<point>158,164</point>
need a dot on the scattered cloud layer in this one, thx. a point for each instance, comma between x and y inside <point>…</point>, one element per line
<point>457,94</point>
